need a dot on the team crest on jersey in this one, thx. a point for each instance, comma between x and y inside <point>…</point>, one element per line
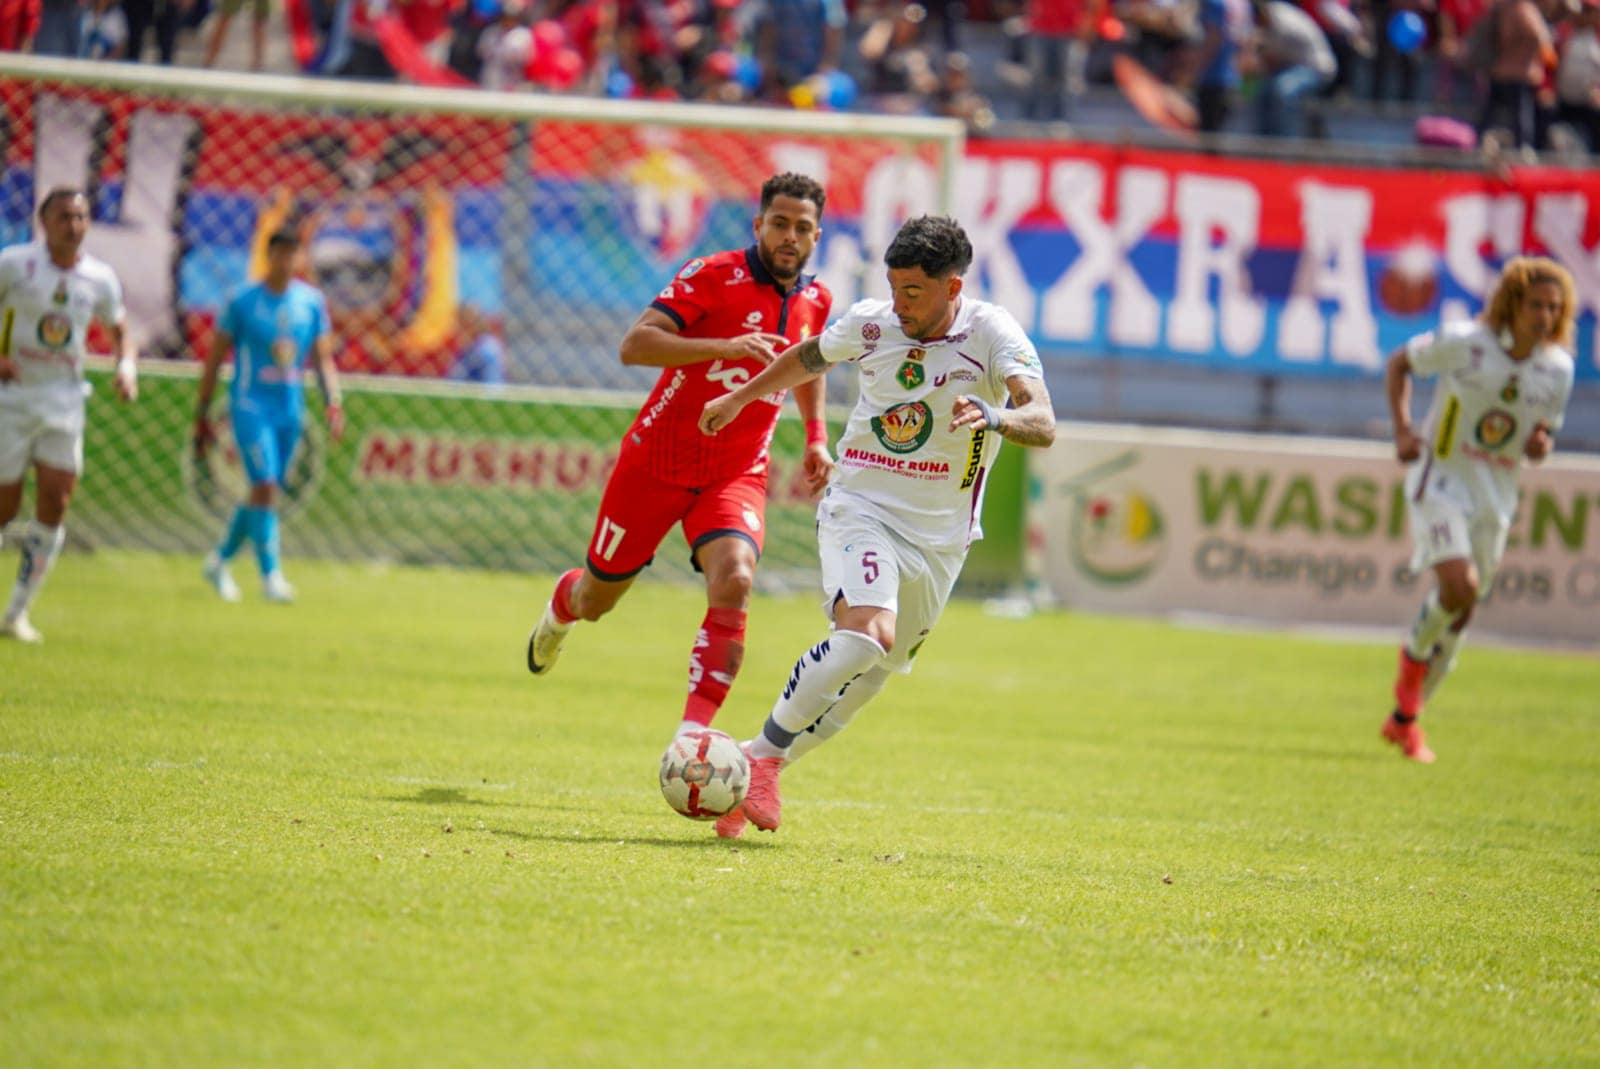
<point>1496,428</point>
<point>905,428</point>
<point>55,330</point>
<point>60,295</point>
<point>691,268</point>
<point>911,375</point>
<point>871,331</point>
<point>1509,392</point>
<point>283,352</point>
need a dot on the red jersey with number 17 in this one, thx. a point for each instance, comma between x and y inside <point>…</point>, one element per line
<point>721,296</point>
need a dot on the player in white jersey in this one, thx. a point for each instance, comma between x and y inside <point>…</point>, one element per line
<point>50,293</point>
<point>1503,386</point>
<point>938,371</point>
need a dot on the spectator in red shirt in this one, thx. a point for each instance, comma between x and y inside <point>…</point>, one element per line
<point>19,22</point>
<point>1060,31</point>
<point>1456,19</point>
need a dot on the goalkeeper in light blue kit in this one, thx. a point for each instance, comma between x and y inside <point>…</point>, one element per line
<point>273,327</point>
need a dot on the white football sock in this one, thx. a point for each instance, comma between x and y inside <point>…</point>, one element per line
<point>1440,666</point>
<point>41,546</point>
<point>836,719</point>
<point>814,684</point>
<point>1432,621</point>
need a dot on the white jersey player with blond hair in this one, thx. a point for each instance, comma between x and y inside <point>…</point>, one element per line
<point>944,378</point>
<point>50,293</point>
<point>1503,384</point>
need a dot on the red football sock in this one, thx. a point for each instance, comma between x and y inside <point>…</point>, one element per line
<point>714,661</point>
<point>561,600</point>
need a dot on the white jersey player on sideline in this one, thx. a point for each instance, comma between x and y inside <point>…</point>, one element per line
<point>938,371</point>
<point>1502,392</point>
<point>50,292</point>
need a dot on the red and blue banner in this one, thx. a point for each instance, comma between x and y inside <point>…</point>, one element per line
<point>1254,265</point>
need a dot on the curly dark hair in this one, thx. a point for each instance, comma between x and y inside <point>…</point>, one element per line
<point>935,243</point>
<point>798,186</point>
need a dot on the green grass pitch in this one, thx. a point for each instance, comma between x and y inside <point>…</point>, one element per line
<point>355,832</point>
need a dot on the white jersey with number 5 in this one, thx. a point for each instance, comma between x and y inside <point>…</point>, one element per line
<point>898,455</point>
<point>45,312</point>
<point>1484,408</point>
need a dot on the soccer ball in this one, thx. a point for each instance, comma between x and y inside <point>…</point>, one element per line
<point>704,774</point>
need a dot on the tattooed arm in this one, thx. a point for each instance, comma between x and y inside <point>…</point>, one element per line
<point>801,362</point>
<point>1030,420</point>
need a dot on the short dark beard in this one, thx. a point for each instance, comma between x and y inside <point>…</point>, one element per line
<point>785,282</point>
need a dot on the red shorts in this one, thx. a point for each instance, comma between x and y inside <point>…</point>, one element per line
<point>638,510</point>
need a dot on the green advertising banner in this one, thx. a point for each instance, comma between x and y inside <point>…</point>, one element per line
<point>433,473</point>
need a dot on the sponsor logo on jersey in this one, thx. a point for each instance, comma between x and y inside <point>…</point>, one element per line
<point>1495,428</point>
<point>974,458</point>
<point>283,352</point>
<point>1445,439</point>
<point>60,295</point>
<point>911,375</point>
<point>691,268</point>
<point>871,331</point>
<point>753,320</point>
<point>960,374</point>
<point>55,330</point>
<point>809,293</point>
<point>905,428</point>
<point>1508,392</point>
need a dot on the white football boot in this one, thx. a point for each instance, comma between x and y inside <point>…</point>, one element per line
<point>19,628</point>
<point>544,645</point>
<point>216,572</point>
<point>274,587</point>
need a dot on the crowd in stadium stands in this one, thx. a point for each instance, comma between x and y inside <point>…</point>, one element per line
<point>1501,73</point>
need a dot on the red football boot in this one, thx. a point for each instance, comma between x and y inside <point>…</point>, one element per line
<point>1409,737</point>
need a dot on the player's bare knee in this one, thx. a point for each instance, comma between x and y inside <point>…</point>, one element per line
<point>51,507</point>
<point>730,588</point>
<point>882,632</point>
<point>1459,596</point>
<point>10,502</point>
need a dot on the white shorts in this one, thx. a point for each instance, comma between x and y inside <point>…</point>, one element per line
<point>40,425</point>
<point>867,563</point>
<point>1446,524</point>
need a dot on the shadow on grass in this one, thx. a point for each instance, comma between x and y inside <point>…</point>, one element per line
<point>439,796</point>
<point>710,842</point>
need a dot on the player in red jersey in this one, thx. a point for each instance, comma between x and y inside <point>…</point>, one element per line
<point>719,321</point>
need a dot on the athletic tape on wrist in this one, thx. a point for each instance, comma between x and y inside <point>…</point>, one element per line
<point>991,415</point>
